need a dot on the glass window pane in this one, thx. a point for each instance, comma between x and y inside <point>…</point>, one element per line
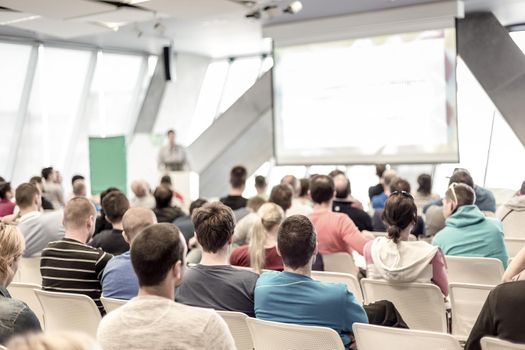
<point>242,75</point>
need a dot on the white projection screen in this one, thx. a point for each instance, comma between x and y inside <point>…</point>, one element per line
<point>384,99</point>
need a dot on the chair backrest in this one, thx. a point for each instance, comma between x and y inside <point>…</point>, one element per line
<point>29,271</point>
<point>268,335</point>
<point>466,302</point>
<point>3,347</point>
<point>236,322</point>
<point>338,277</point>
<point>489,343</point>
<point>370,337</point>
<point>25,292</point>
<point>513,224</point>
<point>339,262</point>
<point>421,305</point>
<point>69,312</point>
<point>111,304</point>
<point>462,269</point>
<point>514,245</point>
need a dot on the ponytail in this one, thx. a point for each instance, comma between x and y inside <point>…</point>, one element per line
<point>394,233</point>
<point>256,248</point>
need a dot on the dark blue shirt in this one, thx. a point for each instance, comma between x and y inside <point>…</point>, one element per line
<point>15,317</point>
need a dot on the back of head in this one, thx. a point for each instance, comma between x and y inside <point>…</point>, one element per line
<point>5,187</point>
<point>305,186</point>
<point>460,194</point>
<point>139,188</point>
<point>271,215</point>
<point>79,188</point>
<point>342,186</point>
<point>163,196</point>
<point>282,196</point>
<point>25,195</point>
<point>75,178</point>
<point>400,211</point>
<point>296,241</point>
<point>399,185</point>
<point>107,191</point>
<point>12,246</point>
<point>197,204</point>
<point>260,182</point>
<point>137,219</point>
<point>52,341</point>
<point>165,180</point>
<point>380,169</point>
<point>154,252</point>
<point>321,188</point>
<point>35,180</point>
<point>238,176</point>
<point>255,203</point>
<point>388,176</point>
<point>77,212</point>
<point>115,205</point>
<point>47,172</point>
<point>293,182</point>
<point>214,224</point>
<point>424,182</point>
<point>461,176</point>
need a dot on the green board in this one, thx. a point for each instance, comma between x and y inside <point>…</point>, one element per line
<point>107,163</point>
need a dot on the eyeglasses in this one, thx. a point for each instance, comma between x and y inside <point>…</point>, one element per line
<point>403,193</point>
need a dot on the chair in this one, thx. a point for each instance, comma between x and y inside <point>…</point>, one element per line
<point>370,337</point>
<point>69,312</point>
<point>466,303</point>
<point>462,269</point>
<point>488,343</point>
<point>3,347</point>
<point>268,335</point>
<point>339,262</point>
<point>514,245</point>
<point>236,322</point>
<point>25,292</point>
<point>337,277</point>
<point>421,305</point>
<point>111,304</point>
<point>29,270</point>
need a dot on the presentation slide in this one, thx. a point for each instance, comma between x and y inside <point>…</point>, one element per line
<point>388,99</point>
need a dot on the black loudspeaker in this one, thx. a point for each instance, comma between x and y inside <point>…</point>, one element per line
<point>167,56</point>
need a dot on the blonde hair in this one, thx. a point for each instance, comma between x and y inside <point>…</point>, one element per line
<point>271,215</point>
<point>53,341</point>
<point>12,246</point>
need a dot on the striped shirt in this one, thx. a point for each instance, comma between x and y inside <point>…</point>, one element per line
<point>69,266</point>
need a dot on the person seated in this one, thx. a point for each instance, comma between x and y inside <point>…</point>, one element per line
<point>142,195</point>
<point>37,182</point>
<point>378,201</point>
<point>304,198</point>
<point>70,265</point>
<point>177,197</point>
<point>6,194</point>
<point>15,316</point>
<point>79,189</point>
<point>234,199</point>
<point>52,188</point>
<point>424,193</point>
<point>232,288</point>
<point>467,231</point>
<point>343,203</point>
<point>112,241</point>
<point>163,209</point>
<point>242,233</point>
<point>512,214</point>
<point>394,258</point>
<point>261,253</point>
<point>102,224</point>
<point>261,186</point>
<point>153,320</point>
<point>298,207</point>
<point>377,189</point>
<point>118,280</point>
<point>184,222</point>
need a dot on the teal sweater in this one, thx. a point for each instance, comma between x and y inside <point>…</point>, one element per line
<point>468,232</point>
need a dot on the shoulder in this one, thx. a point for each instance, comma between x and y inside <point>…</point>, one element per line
<point>268,278</point>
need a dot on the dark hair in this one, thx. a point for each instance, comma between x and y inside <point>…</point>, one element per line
<point>400,211</point>
<point>170,131</point>
<point>398,185</point>
<point>425,184</point>
<point>380,169</point>
<point>163,196</point>
<point>46,172</point>
<point>238,176</point>
<point>4,188</point>
<point>255,203</point>
<point>25,194</point>
<point>35,180</point>
<point>154,252</point>
<point>305,186</point>
<point>461,176</point>
<point>336,172</point>
<point>296,240</point>
<point>2,179</point>
<point>165,180</point>
<point>115,205</point>
<point>282,196</point>
<point>461,194</point>
<point>76,177</point>
<point>260,181</point>
<point>214,224</point>
<point>197,204</point>
<point>104,194</point>
<point>292,181</point>
<point>321,188</point>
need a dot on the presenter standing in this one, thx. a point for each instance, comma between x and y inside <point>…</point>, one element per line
<point>172,157</point>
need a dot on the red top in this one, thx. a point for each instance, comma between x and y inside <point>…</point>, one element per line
<point>241,257</point>
<point>6,207</point>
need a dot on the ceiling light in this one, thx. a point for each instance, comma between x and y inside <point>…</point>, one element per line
<point>30,18</point>
<point>294,7</point>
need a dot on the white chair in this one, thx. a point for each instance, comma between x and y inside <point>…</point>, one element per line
<point>421,305</point>
<point>268,335</point>
<point>29,270</point>
<point>25,292</point>
<point>463,269</point>
<point>370,337</point>
<point>466,302</point>
<point>488,343</point>
<point>69,312</point>
<point>111,304</point>
<point>338,277</point>
<point>514,245</point>
<point>236,322</point>
<point>3,347</point>
<point>339,262</point>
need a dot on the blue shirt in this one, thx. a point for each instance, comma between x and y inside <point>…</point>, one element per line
<point>293,298</point>
<point>118,279</point>
<point>378,202</point>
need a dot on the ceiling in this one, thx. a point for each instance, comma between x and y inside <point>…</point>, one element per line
<point>216,28</point>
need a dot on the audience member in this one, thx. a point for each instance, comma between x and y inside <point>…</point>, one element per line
<point>343,203</point>
<point>512,214</point>
<point>282,196</point>
<point>467,231</point>
<point>335,231</point>
<point>53,341</point>
<point>15,316</point>
<point>234,199</point>
<point>115,205</point>
<point>101,224</point>
<point>303,195</point>
<point>184,222</point>
<point>298,207</point>
<point>79,189</point>
<point>142,195</point>
<point>37,228</point>
<point>232,288</point>
<point>242,232</point>
<point>118,279</point>
<point>377,189</point>
<point>394,258</point>
<point>163,209</point>
<point>378,201</point>
<point>261,253</point>
<point>70,265</point>
<point>153,320</point>
<point>37,182</point>
<point>424,193</point>
<point>261,186</point>
<point>6,194</point>
<point>177,197</point>
<point>52,189</point>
